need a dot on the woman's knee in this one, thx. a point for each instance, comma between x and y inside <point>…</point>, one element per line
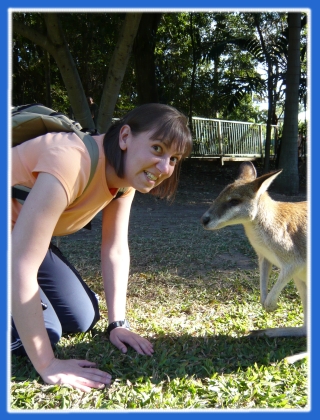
<point>75,304</point>
<point>84,318</point>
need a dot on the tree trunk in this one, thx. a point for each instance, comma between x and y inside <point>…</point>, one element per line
<point>216,78</point>
<point>46,58</point>
<point>271,105</point>
<point>143,52</point>
<point>288,182</point>
<point>194,69</point>
<point>56,45</point>
<point>117,70</point>
<point>68,69</point>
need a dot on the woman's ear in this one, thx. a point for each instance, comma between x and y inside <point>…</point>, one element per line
<point>124,133</point>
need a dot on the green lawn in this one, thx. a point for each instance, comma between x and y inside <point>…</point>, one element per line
<point>195,295</point>
<point>197,314</point>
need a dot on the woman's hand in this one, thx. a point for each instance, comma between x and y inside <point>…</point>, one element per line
<point>119,336</point>
<point>80,374</point>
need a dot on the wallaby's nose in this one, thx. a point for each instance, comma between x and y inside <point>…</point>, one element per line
<point>205,219</point>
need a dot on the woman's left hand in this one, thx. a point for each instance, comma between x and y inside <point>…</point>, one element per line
<point>119,336</point>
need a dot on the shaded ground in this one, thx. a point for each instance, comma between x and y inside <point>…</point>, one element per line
<point>200,183</point>
<point>158,229</point>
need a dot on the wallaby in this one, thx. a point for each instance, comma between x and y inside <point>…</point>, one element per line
<point>276,230</point>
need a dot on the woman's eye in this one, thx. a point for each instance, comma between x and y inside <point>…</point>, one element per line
<point>174,159</point>
<point>158,149</point>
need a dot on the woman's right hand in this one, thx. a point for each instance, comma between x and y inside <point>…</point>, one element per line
<point>80,374</point>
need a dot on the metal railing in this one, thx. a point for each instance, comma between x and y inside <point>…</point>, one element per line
<point>221,138</point>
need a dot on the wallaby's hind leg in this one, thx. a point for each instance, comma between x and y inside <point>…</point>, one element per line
<point>294,358</point>
<point>280,332</point>
<point>302,289</point>
<point>286,331</point>
<point>290,331</point>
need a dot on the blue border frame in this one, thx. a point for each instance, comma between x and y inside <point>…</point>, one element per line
<point>314,6</point>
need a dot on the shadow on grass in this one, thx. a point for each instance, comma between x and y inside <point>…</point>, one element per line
<point>175,357</point>
<point>202,357</point>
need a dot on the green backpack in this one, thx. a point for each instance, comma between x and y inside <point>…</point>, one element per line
<point>30,121</point>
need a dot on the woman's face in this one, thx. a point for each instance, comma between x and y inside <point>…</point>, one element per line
<point>147,162</point>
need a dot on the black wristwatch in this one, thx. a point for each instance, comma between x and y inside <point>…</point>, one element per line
<point>124,323</point>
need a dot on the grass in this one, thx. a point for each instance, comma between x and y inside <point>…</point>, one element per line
<point>195,295</point>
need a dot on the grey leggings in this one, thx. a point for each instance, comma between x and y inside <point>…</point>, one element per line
<point>69,305</point>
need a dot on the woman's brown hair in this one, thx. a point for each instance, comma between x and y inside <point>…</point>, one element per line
<point>169,125</point>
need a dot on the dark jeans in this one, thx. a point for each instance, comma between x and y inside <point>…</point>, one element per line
<point>71,305</point>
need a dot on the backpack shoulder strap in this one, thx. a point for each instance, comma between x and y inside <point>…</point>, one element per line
<point>93,150</point>
<point>29,121</point>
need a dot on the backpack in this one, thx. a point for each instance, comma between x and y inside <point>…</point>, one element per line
<point>30,121</point>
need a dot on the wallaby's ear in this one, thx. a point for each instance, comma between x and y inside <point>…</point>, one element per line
<point>262,183</point>
<point>247,172</point>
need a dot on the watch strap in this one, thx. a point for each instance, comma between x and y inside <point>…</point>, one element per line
<point>123,323</point>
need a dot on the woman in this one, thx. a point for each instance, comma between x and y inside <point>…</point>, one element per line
<point>143,152</point>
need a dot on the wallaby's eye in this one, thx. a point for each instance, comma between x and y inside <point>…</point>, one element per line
<point>234,202</point>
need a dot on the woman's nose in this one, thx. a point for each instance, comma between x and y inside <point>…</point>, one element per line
<point>164,166</point>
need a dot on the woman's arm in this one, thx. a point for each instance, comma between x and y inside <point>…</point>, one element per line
<point>30,241</point>
<point>115,260</point>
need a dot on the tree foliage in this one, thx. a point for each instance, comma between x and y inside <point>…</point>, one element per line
<point>209,64</point>
<point>212,60</point>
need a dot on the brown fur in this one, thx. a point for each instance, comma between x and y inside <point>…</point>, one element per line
<point>276,230</point>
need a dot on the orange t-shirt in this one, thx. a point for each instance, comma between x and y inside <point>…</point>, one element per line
<point>64,156</point>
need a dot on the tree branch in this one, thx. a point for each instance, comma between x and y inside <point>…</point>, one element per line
<point>33,35</point>
<point>117,68</point>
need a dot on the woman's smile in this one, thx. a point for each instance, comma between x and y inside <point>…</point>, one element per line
<point>150,176</point>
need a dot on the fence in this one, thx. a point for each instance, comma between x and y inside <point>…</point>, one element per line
<point>230,140</point>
